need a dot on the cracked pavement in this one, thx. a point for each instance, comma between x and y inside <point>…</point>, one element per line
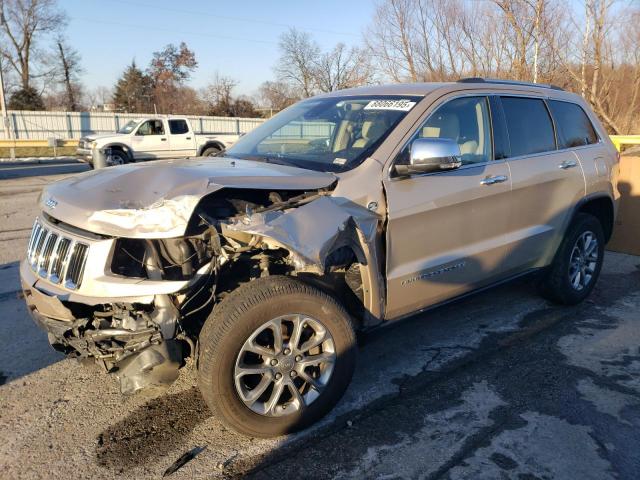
<point>499,385</point>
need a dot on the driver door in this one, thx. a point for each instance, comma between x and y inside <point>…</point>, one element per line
<point>150,141</point>
<point>448,231</point>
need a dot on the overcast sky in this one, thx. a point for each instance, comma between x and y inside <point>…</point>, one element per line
<point>237,38</point>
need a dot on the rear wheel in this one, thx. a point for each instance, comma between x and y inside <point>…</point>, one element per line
<point>577,264</point>
<point>275,356</point>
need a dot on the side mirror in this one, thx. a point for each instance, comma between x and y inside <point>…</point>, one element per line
<point>431,155</point>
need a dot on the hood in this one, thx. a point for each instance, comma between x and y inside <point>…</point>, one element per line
<point>156,199</point>
<point>102,136</point>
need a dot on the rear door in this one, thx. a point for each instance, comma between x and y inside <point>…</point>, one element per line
<point>547,182</point>
<point>447,232</point>
<point>150,140</point>
<point>575,131</point>
<point>181,138</point>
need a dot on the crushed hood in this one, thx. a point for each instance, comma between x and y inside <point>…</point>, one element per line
<point>156,199</point>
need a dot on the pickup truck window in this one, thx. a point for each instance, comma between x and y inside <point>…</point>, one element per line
<point>151,127</point>
<point>178,127</point>
<point>331,134</point>
<point>129,126</point>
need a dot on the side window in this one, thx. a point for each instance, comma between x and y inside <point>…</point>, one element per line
<point>465,120</point>
<point>151,127</point>
<point>178,127</point>
<point>529,126</point>
<point>573,125</point>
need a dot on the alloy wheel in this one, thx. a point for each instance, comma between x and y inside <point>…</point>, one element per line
<point>584,260</point>
<point>284,365</point>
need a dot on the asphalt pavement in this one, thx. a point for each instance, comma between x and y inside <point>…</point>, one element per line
<point>499,385</point>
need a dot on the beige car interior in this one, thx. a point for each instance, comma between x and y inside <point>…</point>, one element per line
<point>445,123</point>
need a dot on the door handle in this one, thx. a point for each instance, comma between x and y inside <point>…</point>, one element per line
<point>568,164</point>
<point>493,180</point>
<point>188,138</point>
<point>163,139</point>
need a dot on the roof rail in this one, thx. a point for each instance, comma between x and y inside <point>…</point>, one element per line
<point>508,82</point>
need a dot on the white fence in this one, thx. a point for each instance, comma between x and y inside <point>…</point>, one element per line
<point>27,125</point>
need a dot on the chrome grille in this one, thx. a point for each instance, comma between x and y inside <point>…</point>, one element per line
<point>55,257</point>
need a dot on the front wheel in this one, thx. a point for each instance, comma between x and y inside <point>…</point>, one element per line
<point>275,356</point>
<point>577,264</point>
<point>211,151</point>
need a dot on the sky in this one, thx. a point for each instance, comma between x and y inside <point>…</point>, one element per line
<point>235,38</point>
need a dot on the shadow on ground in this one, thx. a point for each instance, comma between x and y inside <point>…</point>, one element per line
<point>152,431</point>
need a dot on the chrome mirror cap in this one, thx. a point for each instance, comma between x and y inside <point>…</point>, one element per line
<point>431,155</point>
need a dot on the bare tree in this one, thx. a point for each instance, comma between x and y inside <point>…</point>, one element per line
<point>97,97</point>
<point>276,96</point>
<point>391,39</point>
<point>219,91</point>
<point>341,68</point>
<point>27,23</point>
<point>298,60</point>
<point>69,71</point>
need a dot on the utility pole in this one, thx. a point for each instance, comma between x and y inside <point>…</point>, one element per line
<point>3,104</point>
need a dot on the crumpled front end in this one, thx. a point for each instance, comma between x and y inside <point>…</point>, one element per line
<point>96,302</point>
<point>136,304</point>
<point>135,341</point>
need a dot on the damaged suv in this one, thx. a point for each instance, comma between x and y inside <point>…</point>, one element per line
<point>342,213</point>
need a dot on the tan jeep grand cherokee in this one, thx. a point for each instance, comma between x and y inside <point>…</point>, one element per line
<point>344,212</point>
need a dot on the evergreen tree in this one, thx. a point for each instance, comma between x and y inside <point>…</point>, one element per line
<point>134,91</point>
<point>26,98</point>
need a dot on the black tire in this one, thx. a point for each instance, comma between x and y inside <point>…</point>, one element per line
<point>234,320</point>
<point>118,157</point>
<point>211,151</point>
<point>556,285</point>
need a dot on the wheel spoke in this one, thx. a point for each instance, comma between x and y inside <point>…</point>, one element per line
<point>272,403</point>
<point>575,280</point>
<point>318,339</point>
<point>318,359</point>
<point>259,349</point>
<point>242,370</point>
<point>253,394</point>
<point>297,396</point>
<point>294,340</point>
<point>310,380</point>
<point>276,328</point>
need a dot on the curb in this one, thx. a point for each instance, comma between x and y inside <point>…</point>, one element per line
<point>39,161</point>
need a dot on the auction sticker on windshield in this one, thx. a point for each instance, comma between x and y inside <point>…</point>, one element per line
<point>403,105</point>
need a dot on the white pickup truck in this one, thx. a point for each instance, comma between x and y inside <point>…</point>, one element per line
<point>151,138</point>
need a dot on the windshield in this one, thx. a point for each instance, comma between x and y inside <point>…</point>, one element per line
<point>331,134</point>
<point>130,125</point>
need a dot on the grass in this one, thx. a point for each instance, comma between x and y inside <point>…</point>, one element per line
<point>22,152</point>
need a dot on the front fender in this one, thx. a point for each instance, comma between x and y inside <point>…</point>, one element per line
<point>311,232</point>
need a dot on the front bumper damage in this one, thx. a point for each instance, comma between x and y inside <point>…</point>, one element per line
<point>136,342</point>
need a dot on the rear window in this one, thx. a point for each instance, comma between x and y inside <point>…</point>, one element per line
<point>573,126</point>
<point>529,126</point>
<point>178,127</point>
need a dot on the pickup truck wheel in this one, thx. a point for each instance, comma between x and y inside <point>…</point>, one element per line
<point>275,356</point>
<point>211,151</point>
<point>117,157</point>
<point>577,264</point>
